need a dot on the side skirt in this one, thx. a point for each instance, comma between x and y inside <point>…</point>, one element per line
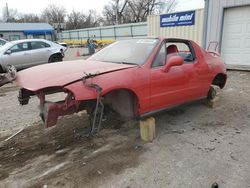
<point>145,115</point>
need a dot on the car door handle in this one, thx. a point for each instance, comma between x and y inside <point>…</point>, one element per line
<point>26,53</point>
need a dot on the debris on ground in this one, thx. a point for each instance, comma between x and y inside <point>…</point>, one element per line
<point>9,76</point>
<point>12,136</point>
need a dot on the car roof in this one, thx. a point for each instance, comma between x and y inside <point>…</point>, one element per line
<point>3,39</point>
<point>9,44</point>
<point>28,40</point>
<point>160,38</point>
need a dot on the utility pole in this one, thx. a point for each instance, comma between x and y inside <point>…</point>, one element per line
<point>116,12</point>
<point>119,12</point>
<point>7,13</point>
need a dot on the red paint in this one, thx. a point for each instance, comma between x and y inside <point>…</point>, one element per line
<point>60,74</point>
<point>154,88</point>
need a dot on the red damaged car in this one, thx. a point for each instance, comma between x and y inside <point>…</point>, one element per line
<point>134,78</point>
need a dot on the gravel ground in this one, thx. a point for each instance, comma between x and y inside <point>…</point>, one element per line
<point>195,146</point>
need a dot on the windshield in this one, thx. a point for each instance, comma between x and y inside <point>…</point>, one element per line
<point>132,51</point>
<point>6,46</point>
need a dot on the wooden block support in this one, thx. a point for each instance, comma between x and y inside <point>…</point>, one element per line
<point>212,103</point>
<point>147,129</point>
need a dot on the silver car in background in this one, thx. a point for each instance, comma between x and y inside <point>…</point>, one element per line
<point>29,52</point>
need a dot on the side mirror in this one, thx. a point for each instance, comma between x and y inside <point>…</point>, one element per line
<point>8,52</point>
<point>173,61</point>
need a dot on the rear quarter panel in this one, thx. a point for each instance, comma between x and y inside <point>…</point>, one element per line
<point>215,63</point>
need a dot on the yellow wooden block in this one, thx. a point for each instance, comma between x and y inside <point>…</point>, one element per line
<point>147,129</point>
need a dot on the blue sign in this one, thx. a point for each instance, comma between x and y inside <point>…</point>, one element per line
<point>177,19</point>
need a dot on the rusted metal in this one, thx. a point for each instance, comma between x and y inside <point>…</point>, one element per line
<point>99,104</point>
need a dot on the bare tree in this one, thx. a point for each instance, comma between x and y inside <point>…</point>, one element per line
<point>127,11</point>
<point>113,11</point>
<point>109,14</point>
<point>78,20</point>
<point>93,19</point>
<point>140,9</point>
<point>30,18</point>
<point>169,6</point>
<point>9,14</point>
<point>75,20</point>
<point>54,14</point>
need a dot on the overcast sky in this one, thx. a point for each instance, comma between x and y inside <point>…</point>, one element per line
<point>35,6</point>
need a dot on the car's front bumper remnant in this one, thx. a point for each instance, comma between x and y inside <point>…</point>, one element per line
<point>50,111</point>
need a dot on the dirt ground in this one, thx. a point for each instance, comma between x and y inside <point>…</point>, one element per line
<point>195,146</point>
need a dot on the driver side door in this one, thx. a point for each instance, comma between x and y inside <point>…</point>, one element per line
<point>17,55</point>
<point>166,88</point>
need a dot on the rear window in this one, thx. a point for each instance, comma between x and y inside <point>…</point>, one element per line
<point>39,45</point>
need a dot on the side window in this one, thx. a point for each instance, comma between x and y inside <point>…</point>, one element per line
<point>46,45</point>
<point>39,45</point>
<point>160,58</point>
<point>19,47</point>
<point>182,49</point>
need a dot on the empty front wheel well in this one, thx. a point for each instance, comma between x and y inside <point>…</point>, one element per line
<point>220,80</point>
<point>123,101</point>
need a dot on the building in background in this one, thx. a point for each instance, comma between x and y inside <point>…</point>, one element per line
<point>105,34</point>
<point>227,22</point>
<point>17,31</point>
<point>186,25</point>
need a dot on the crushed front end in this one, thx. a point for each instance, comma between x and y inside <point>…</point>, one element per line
<point>54,102</point>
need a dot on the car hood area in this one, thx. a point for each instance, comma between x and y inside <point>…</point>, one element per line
<point>63,73</point>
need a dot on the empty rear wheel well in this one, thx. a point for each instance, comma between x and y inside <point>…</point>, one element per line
<point>220,80</point>
<point>123,101</point>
